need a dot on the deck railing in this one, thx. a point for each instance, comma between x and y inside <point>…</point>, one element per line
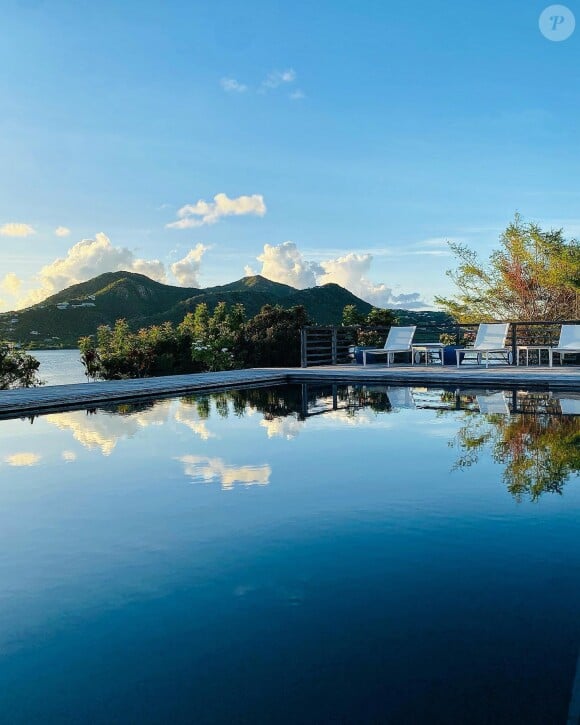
<point>333,345</point>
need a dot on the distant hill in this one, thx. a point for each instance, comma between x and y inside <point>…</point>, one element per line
<point>78,310</point>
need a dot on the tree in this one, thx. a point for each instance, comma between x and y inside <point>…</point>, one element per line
<point>216,338</point>
<point>17,368</point>
<point>381,318</point>
<point>352,317</point>
<point>534,275</point>
<point>377,317</point>
<point>272,337</point>
<point>223,340</point>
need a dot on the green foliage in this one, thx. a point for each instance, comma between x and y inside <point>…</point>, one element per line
<point>272,337</point>
<point>217,338</point>
<point>534,275</point>
<point>144,302</point>
<point>203,341</point>
<point>17,368</point>
<point>119,353</point>
<point>380,317</point>
<point>351,316</point>
<point>376,317</point>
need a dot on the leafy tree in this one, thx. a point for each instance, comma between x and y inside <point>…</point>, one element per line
<point>351,316</point>
<point>377,317</point>
<point>17,368</point>
<point>217,338</point>
<point>534,275</point>
<point>272,337</point>
<point>119,353</point>
<point>222,340</point>
<point>381,318</point>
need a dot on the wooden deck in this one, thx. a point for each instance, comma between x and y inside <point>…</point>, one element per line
<point>61,397</point>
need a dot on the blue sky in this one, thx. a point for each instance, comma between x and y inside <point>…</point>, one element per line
<point>372,131</point>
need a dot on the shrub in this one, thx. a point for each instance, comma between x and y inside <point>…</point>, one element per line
<point>17,368</point>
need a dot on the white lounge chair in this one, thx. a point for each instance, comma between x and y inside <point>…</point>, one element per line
<point>399,339</point>
<point>568,344</point>
<point>490,340</point>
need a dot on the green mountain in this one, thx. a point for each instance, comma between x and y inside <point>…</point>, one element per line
<point>78,310</point>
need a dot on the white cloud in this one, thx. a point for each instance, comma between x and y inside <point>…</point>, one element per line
<point>86,259</point>
<point>16,229</point>
<point>231,85</point>
<point>62,231</point>
<point>186,270</point>
<point>203,212</point>
<point>277,78</point>
<point>11,284</point>
<point>285,263</point>
<point>297,95</point>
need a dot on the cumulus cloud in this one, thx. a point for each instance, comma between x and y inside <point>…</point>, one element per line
<point>11,284</point>
<point>186,270</point>
<point>16,229</point>
<point>285,263</point>
<point>89,258</point>
<point>231,85</point>
<point>86,259</point>
<point>62,231</point>
<point>203,212</point>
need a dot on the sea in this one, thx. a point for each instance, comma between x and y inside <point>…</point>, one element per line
<point>60,367</point>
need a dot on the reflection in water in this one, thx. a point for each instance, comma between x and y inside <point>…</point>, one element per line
<point>288,427</point>
<point>539,450</point>
<point>102,430</point>
<point>26,458</point>
<point>159,549</point>
<point>207,470</point>
<point>190,417</point>
<point>534,436</point>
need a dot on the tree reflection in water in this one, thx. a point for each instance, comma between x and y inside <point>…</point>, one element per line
<point>538,447</point>
<point>525,432</point>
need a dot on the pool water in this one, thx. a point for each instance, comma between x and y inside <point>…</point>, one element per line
<point>296,554</point>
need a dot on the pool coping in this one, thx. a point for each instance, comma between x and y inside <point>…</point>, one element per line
<point>29,401</point>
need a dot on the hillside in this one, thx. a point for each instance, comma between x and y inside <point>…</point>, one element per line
<point>78,310</point>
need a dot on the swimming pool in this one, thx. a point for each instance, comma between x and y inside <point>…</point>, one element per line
<point>293,554</point>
